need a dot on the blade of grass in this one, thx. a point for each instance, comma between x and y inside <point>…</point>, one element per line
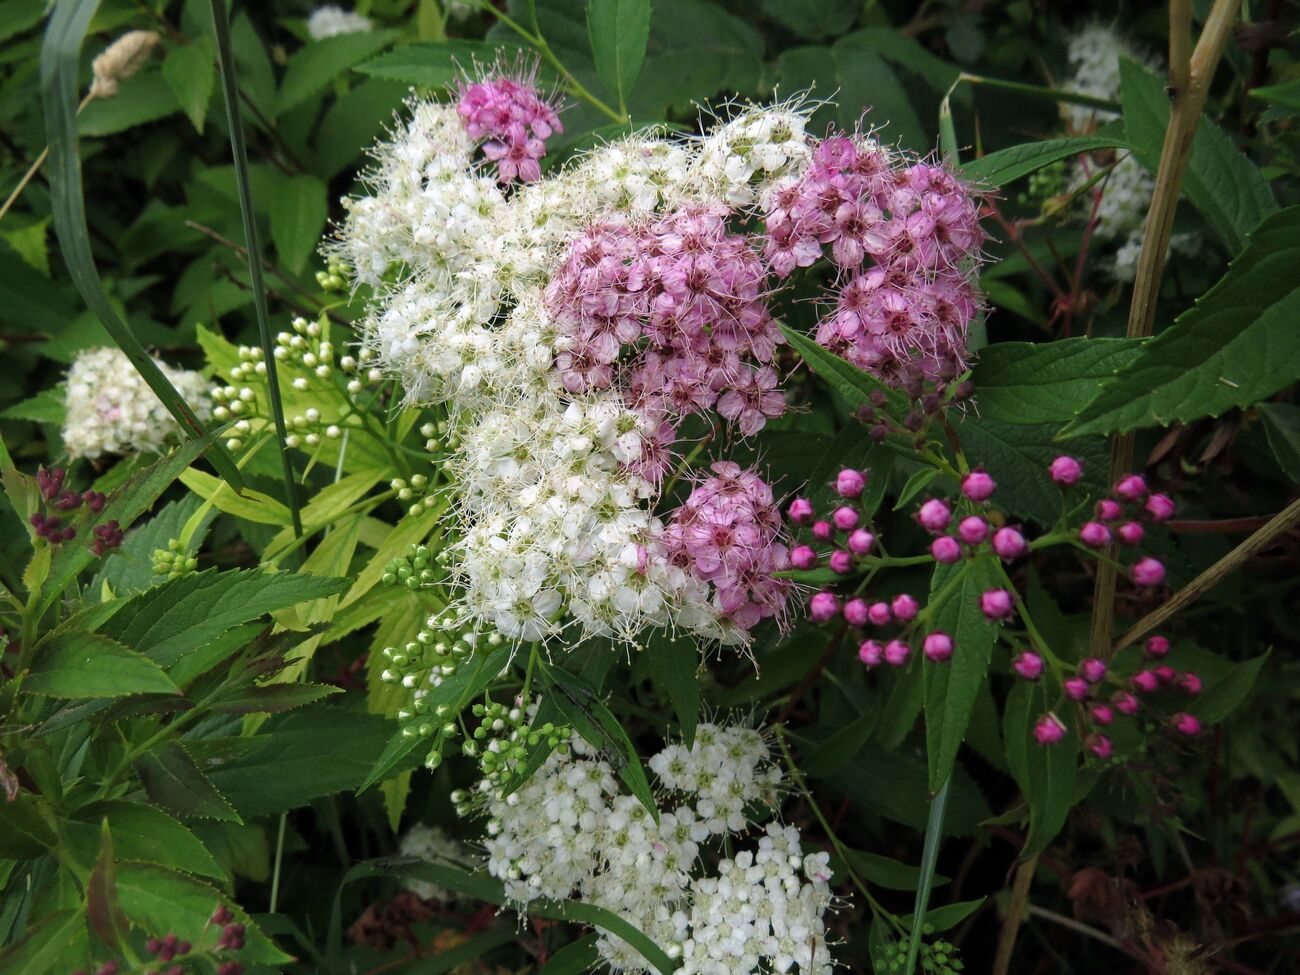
<point>929,858</point>
<point>60,58</point>
<point>238,149</point>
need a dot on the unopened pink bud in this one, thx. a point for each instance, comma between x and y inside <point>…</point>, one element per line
<point>1165,674</point>
<point>1125,703</point>
<point>1148,572</point>
<point>1187,724</point>
<point>1100,746</point>
<point>1101,714</point>
<point>996,604</point>
<point>1131,488</point>
<point>1094,534</point>
<point>945,549</point>
<point>803,557</point>
<point>897,652</point>
<point>823,531</point>
<point>934,515</point>
<point>841,561</point>
<point>1156,647</point>
<point>850,483</point>
<point>1092,669</point>
<point>861,541</point>
<point>824,606</point>
<point>904,608</point>
<point>1076,688</point>
<point>1160,507</point>
<point>978,486</point>
<point>973,530</point>
<point>1066,471</point>
<point>845,518</point>
<point>1131,533</point>
<point>855,611</point>
<point>800,511</point>
<point>1146,682</point>
<point>1049,729</point>
<point>1009,543</point>
<point>1028,665</point>
<point>1109,510</point>
<point>938,647</point>
<point>871,653</point>
<point>1189,683</point>
<point>878,613</point>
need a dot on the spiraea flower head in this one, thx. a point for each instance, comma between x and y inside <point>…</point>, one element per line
<point>331,20</point>
<point>505,110</point>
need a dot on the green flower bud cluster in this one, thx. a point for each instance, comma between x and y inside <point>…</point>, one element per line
<point>336,277</point>
<point>414,491</point>
<point>172,560</point>
<point>447,640</point>
<point>935,958</point>
<point>438,725</point>
<point>416,570</point>
<point>439,436</point>
<point>503,740</point>
<point>1044,184</point>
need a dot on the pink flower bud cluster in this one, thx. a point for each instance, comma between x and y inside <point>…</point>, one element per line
<point>727,534</point>
<point>50,483</point>
<point>953,541</point>
<point>513,118</point>
<point>691,298</point>
<point>915,222</point>
<point>1118,517</point>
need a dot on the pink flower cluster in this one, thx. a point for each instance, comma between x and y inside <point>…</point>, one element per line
<point>1119,517</point>
<point>513,118</point>
<point>691,296</point>
<point>728,535</point>
<point>918,224</point>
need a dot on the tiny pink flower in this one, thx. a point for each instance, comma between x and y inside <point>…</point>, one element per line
<point>803,557</point>
<point>1108,510</point>
<point>860,541</point>
<point>1101,714</point>
<point>938,647</point>
<point>871,653</point>
<point>1160,507</point>
<point>945,549</point>
<point>973,530</point>
<point>978,486</point>
<point>845,518</point>
<point>934,515</point>
<point>1009,544</point>
<point>1187,724</point>
<point>1165,674</point>
<point>855,611</point>
<point>1076,688</point>
<point>850,483</point>
<point>1094,534</point>
<point>822,531</point>
<point>1124,702</point>
<point>904,608</point>
<point>1145,682</point>
<point>1093,669</point>
<point>841,561</point>
<point>1131,488</point>
<point>1100,746</point>
<point>1189,683</point>
<point>878,613</point>
<point>800,511</point>
<point>1049,729</point>
<point>1148,572</point>
<point>897,652</point>
<point>1028,665</point>
<point>996,604</point>
<point>1131,533</point>
<point>1156,647</point>
<point>1066,471</point>
<point>824,606</point>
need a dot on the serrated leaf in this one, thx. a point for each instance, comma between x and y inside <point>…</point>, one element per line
<point>951,688</point>
<point>1046,774</point>
<point>619,31</point>
<point>673,666</point>
<point>190,70</point>
<point>273,698</point>
<point>1008,165</point>
<point>93,665</point>
<point>172,779</point>
<point>103,909</point>
<point>314,66</point>
<point>129,569</point>
<point>855,385</point>
<point>45,407</point>
<point>53,945</point>
<point>1046,382</point>
<point>298,212</point>
<point>1237,345</point>
<point>24,830</point>
<point>430,65</point>
<point>814,19</point>
<point>143,833</point>
<point>1229,692</point>
<point>1282,427</point>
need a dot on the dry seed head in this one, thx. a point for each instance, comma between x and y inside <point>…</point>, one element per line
<point>121,59</point>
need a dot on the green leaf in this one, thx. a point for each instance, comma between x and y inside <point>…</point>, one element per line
<point>172,779</point>
<point>1046,382</point>
<point>53,945</point>
<point>1008,165</point>
<point>314,66</point>
<point>273,698</point>
<point>93,665</point>
<point>1046,774</point>
<point>1282,427</point>
<point>1236,346</point>
<point>430,65</point>
<point>103,910</point>
<point>144,98</point>
<point>915,484</point>
<point>25,832</point>
<point>129,569</point>
<point>298,212</point>
<point>190,70</point>
<point>841,747</point>
<point>887,872</point>
<point>1223,184</point>
<point>673,667</point>
<point>17,16</point>
<point>250,505</point>
<point>949,916</point>
<point>619,31</point>
<point>845,378</point>
<point>574,958</point>
<point>1286,94</point>
<point>45,407</point>
<point>950,688</point>
<point>161,900</point>
<point>929,858</point>
<point>814,19</point>
<point>140,832</point>
<point>29,243</point>
<point>1225,695</point>
<point>181,615</point>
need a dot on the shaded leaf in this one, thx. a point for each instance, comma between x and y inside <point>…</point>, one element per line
<point>103,910</point>
<point>93,665</point>
<point>313,66</point>
<point>298,212</point>
<point>673,666</point>
<point>172,779</point>
<point>1046,774</point>
<point>1046,382</point>
<point>190,71</point>
<point>1008,165</point>
<point>141,832</point>
<point>619,31</point>
<point>1282,427</point>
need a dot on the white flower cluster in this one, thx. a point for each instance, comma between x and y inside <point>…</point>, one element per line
<point>432,843</point>
<point>554,511</point>
<point>109,409</point>
<point>1094,55</point>
<point>331,20</point>
<point>570,832</point>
